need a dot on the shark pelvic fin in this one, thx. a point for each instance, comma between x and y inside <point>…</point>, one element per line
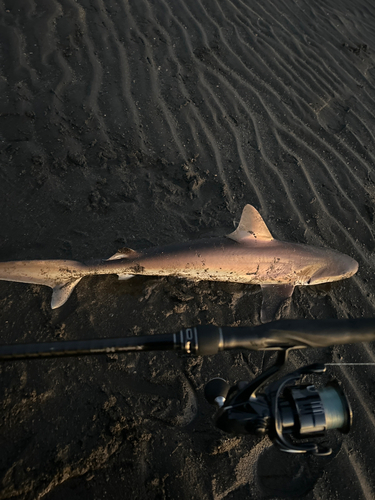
<point>273,297</point>
<point>251,226</point>
<point>124,277</point>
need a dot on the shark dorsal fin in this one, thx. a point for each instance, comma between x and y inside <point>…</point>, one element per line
<point>124,253</point>
<point>251,226</point>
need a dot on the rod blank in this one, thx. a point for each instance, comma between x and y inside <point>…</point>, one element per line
<point>210,339</point>
<point>86,347</point>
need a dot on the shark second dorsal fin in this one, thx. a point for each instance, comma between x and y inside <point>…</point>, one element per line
<point>251,226</point>
<point>124,253</point>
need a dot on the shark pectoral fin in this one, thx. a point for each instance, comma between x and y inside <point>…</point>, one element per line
<point>273,297</point>
<point>62,292</point>
<point>251,226</point>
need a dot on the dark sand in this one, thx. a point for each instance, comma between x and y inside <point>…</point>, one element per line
<point>144,122</point>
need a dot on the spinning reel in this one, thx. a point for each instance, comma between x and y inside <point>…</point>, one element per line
<point>282,410</point>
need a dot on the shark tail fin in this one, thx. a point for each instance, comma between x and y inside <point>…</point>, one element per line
<point>61,275</point>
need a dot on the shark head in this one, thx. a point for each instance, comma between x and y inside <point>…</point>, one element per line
<point>337,267</point>
<point>301,264</point>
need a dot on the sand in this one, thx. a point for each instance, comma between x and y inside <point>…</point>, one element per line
<point>140,123</point>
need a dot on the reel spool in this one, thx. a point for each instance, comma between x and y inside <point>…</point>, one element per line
<point>283,410</point>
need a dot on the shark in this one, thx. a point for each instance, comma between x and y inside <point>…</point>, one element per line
<point>249,255</point>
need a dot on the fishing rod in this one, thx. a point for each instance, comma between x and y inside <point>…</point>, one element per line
<point>208,340</point>
<point>282,409</point>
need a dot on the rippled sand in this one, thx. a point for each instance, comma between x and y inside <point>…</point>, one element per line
<point>140,123</point>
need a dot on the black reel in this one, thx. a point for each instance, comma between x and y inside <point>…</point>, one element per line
<point>283,410</point>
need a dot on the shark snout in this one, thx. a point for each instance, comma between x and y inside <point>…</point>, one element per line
<point>346,267</point>
<point>353,267</point>
<point>339,268</point>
